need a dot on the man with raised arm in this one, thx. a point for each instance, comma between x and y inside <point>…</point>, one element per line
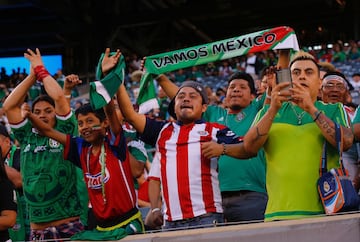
<point>190,186</point>
<point>49,181</point>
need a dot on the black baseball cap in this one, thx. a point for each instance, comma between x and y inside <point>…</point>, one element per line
<point>197,86</point>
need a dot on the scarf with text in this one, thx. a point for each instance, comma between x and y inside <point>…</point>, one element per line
<point>275,38</point>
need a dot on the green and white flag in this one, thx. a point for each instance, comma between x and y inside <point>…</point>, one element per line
<point>104,88</point>
<point>275,38</point>
<point>147,100</point>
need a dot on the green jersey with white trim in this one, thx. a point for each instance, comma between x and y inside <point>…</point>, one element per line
<point>49,181</point>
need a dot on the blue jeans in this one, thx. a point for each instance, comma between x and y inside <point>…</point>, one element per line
<point>244,206</point>
<point>202,221</point>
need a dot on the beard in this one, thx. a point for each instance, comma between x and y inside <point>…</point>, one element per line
<point>236,107</point>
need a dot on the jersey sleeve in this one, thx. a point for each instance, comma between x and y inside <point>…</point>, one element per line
<point>67,124</point>
<point>151,131</point>
<point>227,136</point>
<point>73,149</point>
<point>21,130</point>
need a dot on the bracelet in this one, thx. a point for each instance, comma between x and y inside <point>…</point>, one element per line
<point>268,96</point>
<point>224,149</point>
<point>41,72</point>
<point>317,114</point>
<point>155,210</point>
<point>67,96</point>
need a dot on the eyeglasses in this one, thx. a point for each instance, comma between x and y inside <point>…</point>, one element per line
<point>331,86</point>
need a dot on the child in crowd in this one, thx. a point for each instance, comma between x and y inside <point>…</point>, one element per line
<point>102,153</point>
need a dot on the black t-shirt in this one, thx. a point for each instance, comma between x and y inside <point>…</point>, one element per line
<point>7,202</point>
<point>16,160</point>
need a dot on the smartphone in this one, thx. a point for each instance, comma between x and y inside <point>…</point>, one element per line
<point>284,75</point>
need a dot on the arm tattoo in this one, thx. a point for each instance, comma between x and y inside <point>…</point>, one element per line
<point>348,136</point>
<point>323,121</point>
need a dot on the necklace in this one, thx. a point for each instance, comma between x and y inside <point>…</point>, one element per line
<point>298,116</point>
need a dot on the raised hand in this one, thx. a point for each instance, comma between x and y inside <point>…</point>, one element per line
<point>71,81</point>
<point>34,57</point>
<point>108,61</point>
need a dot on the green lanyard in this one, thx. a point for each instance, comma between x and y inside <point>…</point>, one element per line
<point>102,158</point>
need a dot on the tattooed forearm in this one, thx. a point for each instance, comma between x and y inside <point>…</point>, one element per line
<point>323,122</point>
<point>328,128</point>
<point>348,137</point>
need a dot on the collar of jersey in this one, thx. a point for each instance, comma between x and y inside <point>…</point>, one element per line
<point>199,121</point>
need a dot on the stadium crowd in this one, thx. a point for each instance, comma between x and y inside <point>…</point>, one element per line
<point>46,122</point>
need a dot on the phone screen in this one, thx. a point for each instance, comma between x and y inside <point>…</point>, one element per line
<point>284,75</point>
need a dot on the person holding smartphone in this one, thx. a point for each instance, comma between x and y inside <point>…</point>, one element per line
<point>292,130</point>
<point>284,75</point>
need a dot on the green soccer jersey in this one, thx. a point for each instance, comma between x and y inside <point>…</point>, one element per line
<point>49,181</point>
<point>293,153</point>
<point>239,174</point>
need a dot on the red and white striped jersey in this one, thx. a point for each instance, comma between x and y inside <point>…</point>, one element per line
<point>190,183</point>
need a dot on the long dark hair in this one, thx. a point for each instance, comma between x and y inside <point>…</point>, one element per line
<point>3,175</point>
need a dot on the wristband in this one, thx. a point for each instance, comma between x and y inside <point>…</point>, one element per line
<point>67,96</point>
<point>317,114</point>
<point>268,96</point>
<point>224,149</point>
<point>155,210</point>
<point>41,72</point>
